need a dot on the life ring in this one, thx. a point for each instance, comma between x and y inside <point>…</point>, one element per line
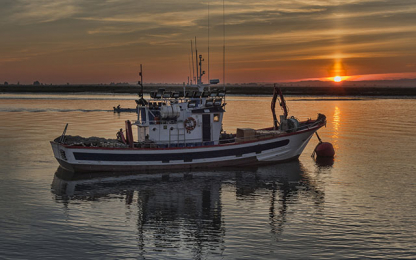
<point>189,124</point>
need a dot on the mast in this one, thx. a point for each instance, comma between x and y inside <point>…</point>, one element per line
<point>201,72</point>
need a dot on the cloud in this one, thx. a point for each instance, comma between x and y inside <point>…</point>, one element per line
<point>42,11</point>
<point>267,33</point>
<point>110,30</point>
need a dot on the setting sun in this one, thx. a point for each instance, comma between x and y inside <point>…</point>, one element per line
<point>337,79</point>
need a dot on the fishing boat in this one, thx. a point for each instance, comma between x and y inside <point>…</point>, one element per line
<point>183,130</point>
<point>119,109</point>
<point>128,110</point>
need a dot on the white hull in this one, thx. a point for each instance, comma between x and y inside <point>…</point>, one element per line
<point>93,159</point>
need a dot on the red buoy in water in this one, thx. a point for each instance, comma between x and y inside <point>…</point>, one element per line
<point>324,149</point>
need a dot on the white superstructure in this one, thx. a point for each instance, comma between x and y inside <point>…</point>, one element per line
<point>181,119</point>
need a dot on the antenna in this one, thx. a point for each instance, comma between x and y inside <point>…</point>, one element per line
<point>196,61</point>
<point>193,65</point>
<point>208,45</point>
<point>190,70</point>
<point>223,43</point>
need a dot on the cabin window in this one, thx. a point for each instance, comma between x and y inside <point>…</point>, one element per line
<point>216,117</point>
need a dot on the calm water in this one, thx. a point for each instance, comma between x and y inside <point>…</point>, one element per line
<point>361,205</point>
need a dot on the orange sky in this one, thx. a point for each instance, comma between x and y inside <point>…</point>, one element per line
<point>78,41</point>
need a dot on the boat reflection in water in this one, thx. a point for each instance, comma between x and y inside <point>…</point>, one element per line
<point>186,208</point>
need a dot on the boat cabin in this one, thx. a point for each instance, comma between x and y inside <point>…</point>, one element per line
<point>180,119</point>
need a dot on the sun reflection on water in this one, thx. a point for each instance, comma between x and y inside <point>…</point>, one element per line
<point>336,123</point>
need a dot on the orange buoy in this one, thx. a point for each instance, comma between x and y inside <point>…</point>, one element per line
<point>324,149</point>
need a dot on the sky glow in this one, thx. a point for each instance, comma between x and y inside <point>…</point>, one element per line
<point>97,41</point>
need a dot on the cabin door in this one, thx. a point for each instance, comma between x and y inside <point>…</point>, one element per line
<point>206,127</point>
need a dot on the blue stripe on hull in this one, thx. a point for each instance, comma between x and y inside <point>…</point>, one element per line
<point>186,156</point>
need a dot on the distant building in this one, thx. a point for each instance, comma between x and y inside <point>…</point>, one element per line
<point>6,83</point>
<point>36,83</point>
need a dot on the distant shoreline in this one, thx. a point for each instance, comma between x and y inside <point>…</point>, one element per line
<point>231,89</point>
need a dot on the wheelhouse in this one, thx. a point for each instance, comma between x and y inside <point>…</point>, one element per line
<point>180,119</point>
